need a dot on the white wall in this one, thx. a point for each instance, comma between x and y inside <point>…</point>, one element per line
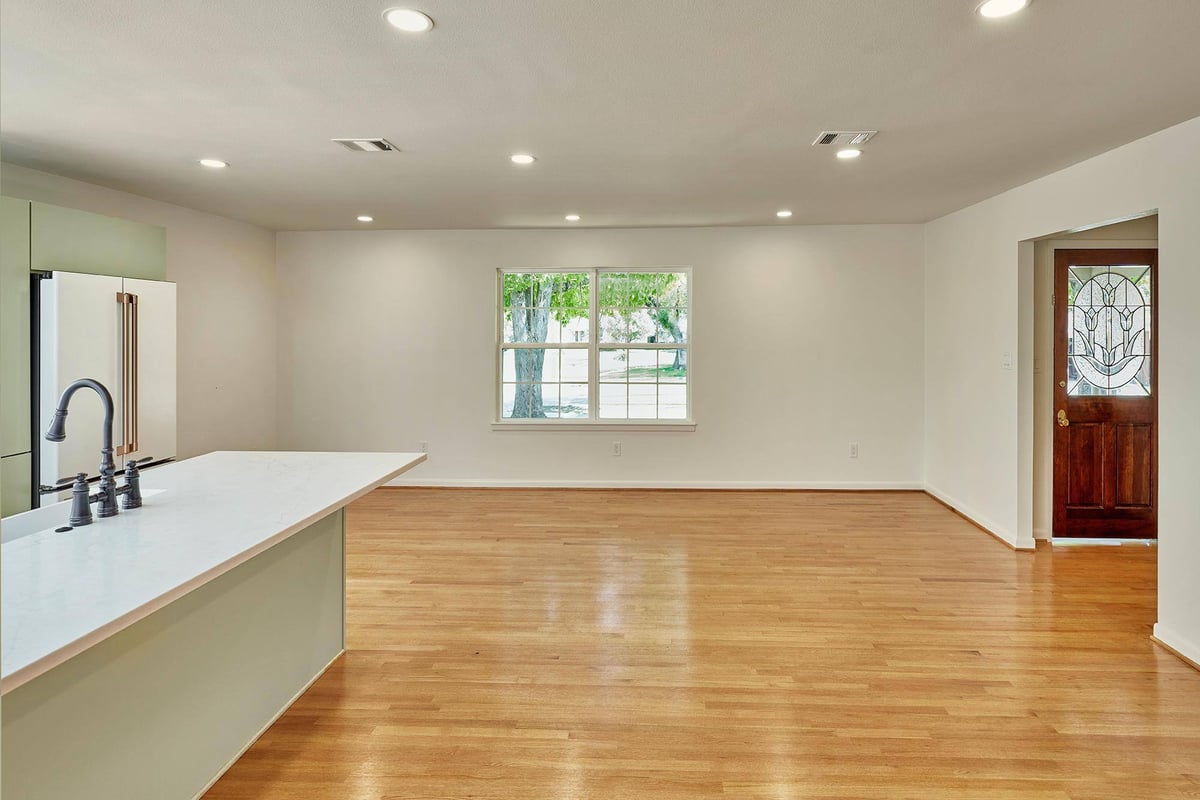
<point>974,451</point>
<point>1141,232</point>
<point>225,271</point>
<point>804,339</point>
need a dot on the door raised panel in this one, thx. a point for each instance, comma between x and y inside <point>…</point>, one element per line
<point>1086,468</point>
<point>1134,458</point>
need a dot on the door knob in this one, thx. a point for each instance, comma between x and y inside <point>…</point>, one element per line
<point>1062,418</point>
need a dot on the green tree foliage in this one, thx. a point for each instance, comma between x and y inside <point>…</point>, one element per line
<point>532,299</point>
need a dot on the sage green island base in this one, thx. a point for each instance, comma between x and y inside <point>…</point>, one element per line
<point>145,652</point>
<point>159,710</point>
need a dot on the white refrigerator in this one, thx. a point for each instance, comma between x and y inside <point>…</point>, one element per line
<point>120,332</point>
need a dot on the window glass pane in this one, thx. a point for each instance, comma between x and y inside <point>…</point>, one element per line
<point>672,401</point>
<point>574,366</point>
<point>573,403</point>
<point>613,403</point>
<point>575,324</point>
<point>614,326</point>
<point>643,366</point>
<point>614,289</point>
<point>672,326</point>
<point>1108,330</point>
<point>643,401</point>
<point>532,364</point>
<point>549,396</point>
<point>672,366</point>
<point>508,396</point>
<point>642,327</point>
<point>614,365</point>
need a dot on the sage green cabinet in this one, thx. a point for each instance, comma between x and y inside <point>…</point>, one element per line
<point>16,478</point>
<point>69,240</point>
<point>14,327</point>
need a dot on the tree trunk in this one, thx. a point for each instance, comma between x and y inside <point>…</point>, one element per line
<point>672,327</point>
<point>530,325</point>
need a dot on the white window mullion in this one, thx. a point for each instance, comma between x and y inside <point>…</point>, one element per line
<point>594,346</point>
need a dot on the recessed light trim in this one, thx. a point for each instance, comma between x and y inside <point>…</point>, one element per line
<point>365,218</point>
<point>213,163</point>
<point>408,20</point>
<point>995,9</point>
<point>571,218</point>
<point>522,158</point>
<point>849,153</point>
<point>783,213</point>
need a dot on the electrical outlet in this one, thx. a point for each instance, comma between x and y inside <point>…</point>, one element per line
<point>1006,360</point>
<point>424,446</point>
<point>854,449</point>
<point>616,448</point>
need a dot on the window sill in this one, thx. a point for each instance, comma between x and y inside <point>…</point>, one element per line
<point>596,425</point>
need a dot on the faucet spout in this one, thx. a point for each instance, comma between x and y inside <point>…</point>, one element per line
<point>57,432</point>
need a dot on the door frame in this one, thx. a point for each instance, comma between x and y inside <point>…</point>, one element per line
<point>1114,254</point>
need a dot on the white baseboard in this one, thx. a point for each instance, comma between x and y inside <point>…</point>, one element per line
<point>1042,534</point>
<point>998,531</point>
<point>267,726</point>
<point>1188,650</point>
<point>473,483</point>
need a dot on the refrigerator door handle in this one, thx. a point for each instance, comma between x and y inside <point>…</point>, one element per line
<point>133,380</point>
<point>128,304</point>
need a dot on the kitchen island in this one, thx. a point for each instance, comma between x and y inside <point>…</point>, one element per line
<point>141,654</point>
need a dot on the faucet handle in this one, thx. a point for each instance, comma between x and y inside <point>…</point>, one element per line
<point>81,509</point>
<point>131,492</point>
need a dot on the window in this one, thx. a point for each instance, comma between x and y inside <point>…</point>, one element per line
<point>596,345</point>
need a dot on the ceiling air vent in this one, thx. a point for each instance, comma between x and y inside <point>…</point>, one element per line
<point>845,138</point>
<point>367,145</point>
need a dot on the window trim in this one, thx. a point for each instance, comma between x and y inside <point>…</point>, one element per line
<point>593,421</point>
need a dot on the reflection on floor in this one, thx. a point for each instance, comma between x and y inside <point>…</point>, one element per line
<point>634,644</point>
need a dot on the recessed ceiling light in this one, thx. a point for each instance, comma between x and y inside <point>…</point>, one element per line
<point>783,213</point>
<point>365,218</point>
<point>213,163</point>
<point>849,153</point>
<point>1001,8</point>
<point>572,218</point>
<point>408,20</point>
<point>522,158</point>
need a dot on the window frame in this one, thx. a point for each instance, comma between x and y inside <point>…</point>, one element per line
<point>593,346</point>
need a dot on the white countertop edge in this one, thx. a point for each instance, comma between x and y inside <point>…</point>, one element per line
<point>48,662</point>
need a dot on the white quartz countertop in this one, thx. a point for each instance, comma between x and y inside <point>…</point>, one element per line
<point>64,592</point>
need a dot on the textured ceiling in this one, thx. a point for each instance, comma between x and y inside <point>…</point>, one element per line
<point>646,112</point>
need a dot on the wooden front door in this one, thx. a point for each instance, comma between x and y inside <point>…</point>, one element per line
<point>1105,393</point>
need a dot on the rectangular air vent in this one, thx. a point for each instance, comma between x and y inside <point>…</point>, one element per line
<point>367,145</point>
<point>845,138</point>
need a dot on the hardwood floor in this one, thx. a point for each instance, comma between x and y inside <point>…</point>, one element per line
<point>632,644</point>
